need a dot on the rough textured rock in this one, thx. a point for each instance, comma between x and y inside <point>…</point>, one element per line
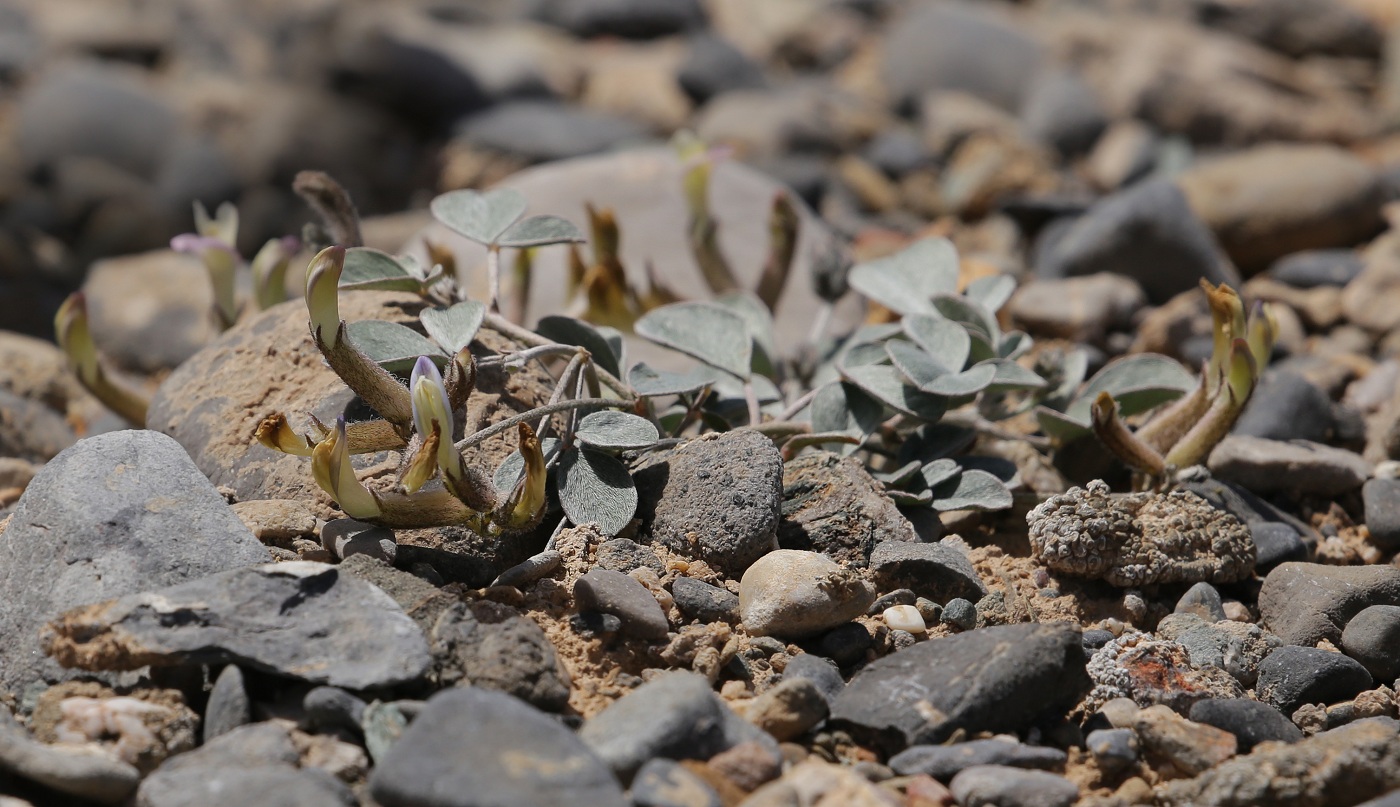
<point>494,646</point>
<point>1306,602</point>
<point>115,514</point>
<point>833,506</point>
<point>1235,647</point>
<point>1372,637</point>
<point>73,772</point>
<point>1292,676</point>
<point>1297,466</point>
<point>679,507</point>
<point>299,619</point>
<point>794,594</point>
<point>1151,671</point>
<point>1140,538</point>
<point>30,430</point>
<point>940,571</point>
<point>789,709</point>
<point>992,679</point>
<point>1190,747</point>
<point>529,758</point>
<point>1342,766</point>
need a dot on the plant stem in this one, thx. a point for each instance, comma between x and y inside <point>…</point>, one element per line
<point>540,411</point>
<point>798,405</point>
<point>493,276</point>
<point>528,354</point>
<point>751,398</point>
<point>501,325</point>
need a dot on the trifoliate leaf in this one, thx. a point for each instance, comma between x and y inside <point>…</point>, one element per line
<point>946,341</point>
<point>991,292</point>
<point>886,385</point>
<point>482,217</point>
<point>594,486</point>
<point>538,231</point>
<point>649,382</point>
<point>760,321</point>
<point>979,321</point>
<point>841,407</point>
<point>939,471</point>
<point>367,269</point>
<point>931,377</point>
<point>616,431</point>
<point>454,327</point>
<point>392,345</point>
<point>1137,382</point>
<point>570,331</point>
<point>711,333</point>
<point>906,281</point>
<point>973,490</point>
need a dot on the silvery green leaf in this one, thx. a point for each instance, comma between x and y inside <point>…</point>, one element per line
<point>482,217</point>
<point>594,486</point>
<point>392,345</point>
<point>616,344</point>
<point>1072,371</point>
<point>1137,382</point>
<point>957,385</point>
<point>1010,375</point>
<point>886,385</point>
<point>760,321</point>
<point>981,348</point>
<point>946,341</point>
<point>1014,345</point>
<point>861,355</point>
<point>1060,426</point>
<point>906,281</point>
<point>538,231</point>
<point>1000,467</point>
<point>917,367</point>
<point>991,292</point>
<point>973,490</point>
<point>906,498</point>
<point>841,407</point>
<point>648,382</point>
<point>454,327</point>
<point>939,471</point>
<point>369,269</point>
<point>711,333</point>
<point>935,440</point>
<point>728,387</point>
<point>508,472</point>
<point>616,431</point>
<point>570,331</point>
<point>970,313</point>
<point>899,475</point>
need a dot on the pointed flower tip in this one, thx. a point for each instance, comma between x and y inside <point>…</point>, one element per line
<point>429,399</point>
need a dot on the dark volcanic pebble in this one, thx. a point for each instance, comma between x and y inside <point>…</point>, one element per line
<point>228,706</point>
<point>943,762</point>
<point>846,644</point>
<point>1286,406</point>
<point>1276,543</point>
<point>1317,267</point>
<point>937,571</point>
<point>833,506</point>
<point>1306,602</point>
<point>992,679</point>
<point>477,748</point>
<point>617,594</point>
<point>1012,787</point>
<point>333,708</point>
<point>623,555</point>
<point>1372,637</point>
<point>819,671</point>
<point>702,601</point>
<point>1292,676</point>
<point>1381,498</point>
<point>1250,721</point>
<point>1202,600</point>
<point>1115,750</point>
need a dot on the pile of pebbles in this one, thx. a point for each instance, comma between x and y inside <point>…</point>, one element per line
<point>189,621</point>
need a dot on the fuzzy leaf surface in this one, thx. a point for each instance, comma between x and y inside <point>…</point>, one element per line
<point>539,231</point>
<point>570,331</point>
<point>456,326</point>
<point>711,333</point>
<point>482,217</point>
<point>611,430</point>
<point>907,281</point>
<point>594,486</point>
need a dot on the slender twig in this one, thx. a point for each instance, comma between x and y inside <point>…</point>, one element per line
<point>515,420</point>
<point>523,356</point>
<point>565,379</point>
<point>751,398</point>
<point>798,405</point>
<point>820,323</point>
<point>503,326</point>
<point>493,276</point>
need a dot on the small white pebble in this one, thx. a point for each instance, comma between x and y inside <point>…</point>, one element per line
<point>905,618</point>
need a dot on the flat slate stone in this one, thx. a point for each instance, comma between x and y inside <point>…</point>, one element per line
<point>943,762</point>
<point>299,619</point>
<point>615,593</point>
<point>476,748</point>
<point>937,571</point>
<point>991,679</point>
<point>114,514</point>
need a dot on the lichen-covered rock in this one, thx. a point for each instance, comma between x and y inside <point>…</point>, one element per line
<point>1139,539</point>
<point>1151,671</point>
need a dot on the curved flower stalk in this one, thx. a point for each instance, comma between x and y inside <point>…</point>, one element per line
<point>214,243</point>
<point>75,339</point>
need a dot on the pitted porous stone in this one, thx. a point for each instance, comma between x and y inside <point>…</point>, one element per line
<point>1138,539</point>
<point>1150,671</point>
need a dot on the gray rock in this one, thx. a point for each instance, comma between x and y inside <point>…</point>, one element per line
<point>97,777</point>
<point>1313,268</point>
<point>1251,721</point>
<point>791,593</point>
<point>531,569</point>
<point>1381,498</point>
<point>94,110</point>
<point>228,706</point>
<point>494,646</point>
<point>1276,543</point>
<point>664,783</point>
<point>251,765</point>
<point>896,152</point>
<point>846,644</point>
<point>333,708</point>
<point>1286,406</point>
<point>150,311</point>
<point>1083,309</point>
<point>714,66</point>
<point>1292,676</point>
<point>1372,637</point>
<point>542,131</point>
<point>623,555</point>
<point>959,47</point>
<point>679,508</point>
<point>1115,750</point>
<point>1146,232</point>
<point>789,709</point>
<point>31,431</point>
<point>702,601</point>
<point>1306,602</point>
<point>615,593</point>
<point>1063,112</point>
<point>943,762</point>
<point>477,748</point>
<point>1012,787</point>
<point>960,613</point>
<point>1202,600</point>
<point>299,619</point>
<point>1295,466</point>
<point>1300,28</point>
<point>1342,766</point>
<point>676,716</point>
<point>991,679</point>
<point>633,19</point>
<point>346,537</point>
<point>114,514</point>
<point>833,506</point>
<point>819,671</point>
<point>1235,647</point>
<point>939,571</point>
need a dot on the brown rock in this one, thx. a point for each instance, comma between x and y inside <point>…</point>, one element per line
<point>1081,309</point>
<point>832,505</point>
<point>1191,748</point>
